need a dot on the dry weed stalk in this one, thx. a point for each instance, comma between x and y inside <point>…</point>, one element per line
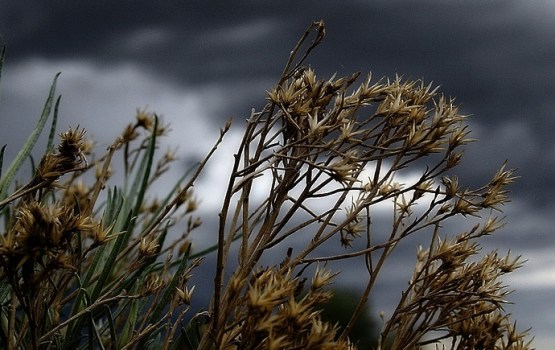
<point>329,141</point>
<point>79,269</point>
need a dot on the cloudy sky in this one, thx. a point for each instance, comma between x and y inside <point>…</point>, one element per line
<point>199,62</point>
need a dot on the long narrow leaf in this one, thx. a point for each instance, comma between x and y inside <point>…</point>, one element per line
<point>6,180</point>
<point>131,320</point>
<point>166,298</point>
<point>107,269</point>
<point>52,133</point>
<point>95,333</point>
<point>171,194</point>
<point>73,334</point>
<point>170,289</point>
<point>110,261</point>
<point>111,324</point>
<point>112,210</point>
<point>134,197</point>
<point>2,158</point>
<point>141,182</point>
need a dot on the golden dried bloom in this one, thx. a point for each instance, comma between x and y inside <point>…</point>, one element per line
<point>269,290</point>
<point>170,155</point>
<point>185,247</point>
<point>88,146</point>
<point>503,177</point>
<point>50,168</point>
<point>453,254</point>
<point>465,207</point>
<point>148,247</point>
<point>185,295</point>
<point>346,168</point>
<point>100,235</point>
<point>72,143</point>
<point>99,172</point>
<point>129,133</point>
<point>285,95</point>
<point>351,231</point>
<point>458,137</point>
<point>8,243</point>
<point>348,132</point>
<point>192,204</point>
<point>422,188</point>
<point>297,312</point>
<point>507,265</point>
<point>193,223</point>
<point>389,188</point>
<point>38,226</point>
<point>154,206</point>
<point>152,284</point>
<point>273,95</point>
<point>493,223</point>
<point>403,206</point>
<point>276,342</point>
<point>145,120</point>
<point>453,159</point>
<point>493,198</point>
<point>317,128</point>
<point>322,278</point>
<point>72,221</point>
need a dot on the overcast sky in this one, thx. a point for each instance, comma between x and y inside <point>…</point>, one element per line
<point>199,62</point>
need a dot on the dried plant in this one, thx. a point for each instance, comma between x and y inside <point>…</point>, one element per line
<point>80,268</point>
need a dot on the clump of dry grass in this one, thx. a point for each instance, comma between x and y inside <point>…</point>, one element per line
<point>81,269</point>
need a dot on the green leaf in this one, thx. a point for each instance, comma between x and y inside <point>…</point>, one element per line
<point>6,180</point>
<point>131,319</point>
<point>191,335</point>
<point>2,158</point>
<point>52,133</point>
<point>111,324</point>
<point>109,264</point>
<point>170,289</point>
<point>133,199</point>
<point>170,195</point>
<point>166,298</point>
<point>115,203</point>
<point>93,333</point>
<point>72,337</point>
<point>140,183</point>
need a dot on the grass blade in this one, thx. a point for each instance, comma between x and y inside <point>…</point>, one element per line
<point>2,158</point>
<point>111,324</point>
<point>131,320</point>
<point>6,180</point>
<point>52,134</point>
<point>140,183</point>
<point>109,264</point>
<point>170,289</point>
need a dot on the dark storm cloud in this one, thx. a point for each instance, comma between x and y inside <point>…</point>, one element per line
<point>488,54</point>
<point>479,51</point>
